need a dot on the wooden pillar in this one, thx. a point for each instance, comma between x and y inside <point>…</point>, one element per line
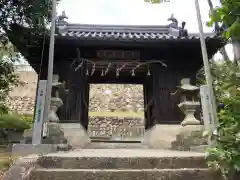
<point>83,91</point>
<point>77,94</point>
<point>165,109</point>
<point>148,102</point>
<point>145,104</point>
<point>74,107</point>
<point>43,70</point>
<point>85,104</point>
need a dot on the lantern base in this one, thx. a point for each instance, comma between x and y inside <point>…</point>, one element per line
<point>189,109</point>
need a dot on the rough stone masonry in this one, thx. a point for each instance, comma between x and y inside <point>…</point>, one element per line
<point>103,97</point>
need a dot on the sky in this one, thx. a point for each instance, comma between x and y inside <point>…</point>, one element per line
<point>133,12</point>
<point>137,12</point>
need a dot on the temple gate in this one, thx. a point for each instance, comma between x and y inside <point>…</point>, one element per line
<point>157,57</point>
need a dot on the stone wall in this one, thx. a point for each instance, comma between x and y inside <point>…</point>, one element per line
<point>103,97</point>
<point>116,97</point>
<point>21,104</point>
<point>22,98</point>
<point>126,127</point>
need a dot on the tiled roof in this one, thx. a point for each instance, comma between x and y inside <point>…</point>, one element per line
<point>123,32</point>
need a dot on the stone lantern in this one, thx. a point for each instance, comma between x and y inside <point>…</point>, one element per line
<point>189,101</point>
<point>54,134</point>
<point>56,102</point>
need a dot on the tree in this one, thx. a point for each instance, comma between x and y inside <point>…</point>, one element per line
<point>218,30</point>
<point>8,77</point>
<point>25,12</point>
<point>228,15</point>
<point>225,80</point>
<point>35,14</point>
<point>224,156</point>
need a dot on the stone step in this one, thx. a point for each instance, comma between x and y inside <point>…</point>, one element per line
<point>116,174</point>
<point>114,145</point>
<point>122,163</point>
<point>122,159</point>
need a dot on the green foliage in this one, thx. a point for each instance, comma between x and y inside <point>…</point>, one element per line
<point>13,121</point>
<point>225,154</point>
<point>228,15</point>
<point>224,78</point>
<point>3,109</point>
<point>28,119</point>
<point>34,14</point>
<point>8,78</point>
<point>22,12</point>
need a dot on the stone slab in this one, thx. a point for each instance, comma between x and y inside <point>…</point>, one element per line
<point>122,159</point>
<point>125,153</point>
<point>21,168</point>
<point>167,136</point>
<point>116,174</point>
<point>161,136</point>
<point>27,149</point>
<point>122,162</point>
<point>116,145</point>
<point>75,134</point>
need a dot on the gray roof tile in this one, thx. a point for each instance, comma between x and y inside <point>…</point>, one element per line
<point>121,32</point>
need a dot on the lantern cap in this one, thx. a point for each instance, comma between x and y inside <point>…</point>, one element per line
<point>185,87</point>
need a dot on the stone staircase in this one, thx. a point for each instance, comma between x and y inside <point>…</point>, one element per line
<point>122,164</point>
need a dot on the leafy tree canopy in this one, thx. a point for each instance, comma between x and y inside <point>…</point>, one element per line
<point>228,15</point>
<point>27,13</point>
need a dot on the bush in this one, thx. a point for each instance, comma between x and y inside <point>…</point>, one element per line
<point>13,121</point>
<point>3,109</point>
<point>225,155</point>
<point>27,118</point>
